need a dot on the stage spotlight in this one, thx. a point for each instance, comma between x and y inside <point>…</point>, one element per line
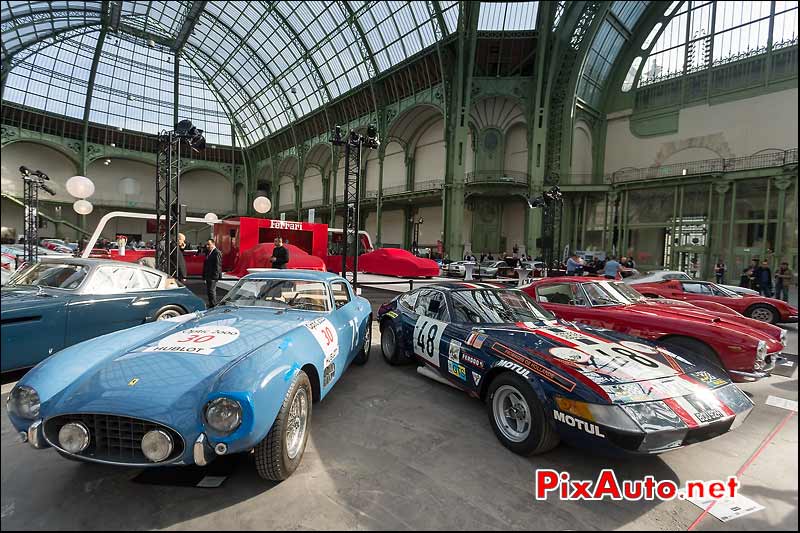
<point>184,128</point>
<point>336,135</point>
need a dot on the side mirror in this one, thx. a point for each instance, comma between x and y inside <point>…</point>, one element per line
<point>543,299</point>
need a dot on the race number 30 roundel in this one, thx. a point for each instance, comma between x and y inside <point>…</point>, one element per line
<point>201,340</point>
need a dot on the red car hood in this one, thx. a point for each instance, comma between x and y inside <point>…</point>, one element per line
<point>741,324</point>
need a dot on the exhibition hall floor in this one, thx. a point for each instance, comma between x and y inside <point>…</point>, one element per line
<point>390,449</point>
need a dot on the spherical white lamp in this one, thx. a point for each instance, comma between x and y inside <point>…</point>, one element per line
<point>82,207</point>
<point>211,218</point>
<point>80,186</point>
<point>262,204</point>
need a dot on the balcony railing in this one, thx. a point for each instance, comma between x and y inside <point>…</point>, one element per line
<point>312,203</point>
<point>503,177</point>
<point>708,166</point>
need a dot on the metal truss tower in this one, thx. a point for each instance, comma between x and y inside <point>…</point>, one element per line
<point>168,207</point>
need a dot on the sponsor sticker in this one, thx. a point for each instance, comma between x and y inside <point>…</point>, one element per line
<point>708,378</point>
<point>471,360</point>
<point>457,370</point>
<point>581,425</point>
<point>203,340</point>
<point>476,378</point>
<point>454,351</point>
<point>392,314</point>
<point>326,337</point>
<point>328,374</point>
<point>569,354</point>
<point>524,372</point>
<point>476,339</point>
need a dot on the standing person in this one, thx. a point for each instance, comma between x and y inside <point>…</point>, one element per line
<point>181,260</point>
<point>783,282</point>
<point>515,250</point>
<point>750,272</point>
<point>763,276</point>
<point>612,268</point>
<point>212,271</point>
<point>280,255</point>
<point>574,265</point>
<point>719,271</point>
<point>694,267</point>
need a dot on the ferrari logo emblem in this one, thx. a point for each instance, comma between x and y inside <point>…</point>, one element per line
<point>133,382</point>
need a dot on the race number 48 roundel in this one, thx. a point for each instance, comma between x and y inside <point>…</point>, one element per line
<point>427,336</point>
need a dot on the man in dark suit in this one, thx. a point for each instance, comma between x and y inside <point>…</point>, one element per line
<point>280,255</point>
<point>212,271</point>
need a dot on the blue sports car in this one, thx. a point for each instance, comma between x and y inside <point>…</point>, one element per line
<point>544,380</point>
<point>239,377</point>
<point>59,302</point>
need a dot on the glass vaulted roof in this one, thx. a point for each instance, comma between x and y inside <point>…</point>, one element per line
<point>261,64</point>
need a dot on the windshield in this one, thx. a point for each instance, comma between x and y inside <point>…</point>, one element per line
<point>280,294</point>
<point>626,292</point>
<point>496,307</point>
<point>717,290</point>
<point>601,294</point>
<point>56,275</point>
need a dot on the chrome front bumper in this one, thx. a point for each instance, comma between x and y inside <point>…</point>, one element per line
<point>202,452</point>
<point>769,365</point>
<point>35,436</point>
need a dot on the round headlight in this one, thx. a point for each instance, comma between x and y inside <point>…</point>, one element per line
<point>73,437</point>
<point>24,402</point>
<point>224,415</point>
<point>156,445</point>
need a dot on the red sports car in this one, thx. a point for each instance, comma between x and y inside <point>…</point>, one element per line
<point>697,292</point>
<point>748,350</point>
<point>397,262</point>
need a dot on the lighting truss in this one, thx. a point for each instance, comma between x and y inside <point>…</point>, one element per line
<point>352,189</point>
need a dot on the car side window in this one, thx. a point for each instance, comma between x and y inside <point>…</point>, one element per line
<point>408,300</point>
<point>696,288</point>
<point>439,303</point>
<point>341,296</point>
<point>144,281</point>
<point>422,303</point>
<point>561,293</point>
<point>110,280</point>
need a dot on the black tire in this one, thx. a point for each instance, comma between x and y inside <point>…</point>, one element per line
<point>764,313</point>
<point>169,311</point>
<point>273,461</point>
<point>390,347</point>
<point>542,436</point>
<point>690,347</point>
<point>363,354</point>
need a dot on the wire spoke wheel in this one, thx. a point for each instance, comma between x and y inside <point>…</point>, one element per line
<point>296,427</point>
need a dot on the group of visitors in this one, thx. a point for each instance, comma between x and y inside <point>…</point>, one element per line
<point>759,277</point>
<point>212,265</point>
<point>610,267</point>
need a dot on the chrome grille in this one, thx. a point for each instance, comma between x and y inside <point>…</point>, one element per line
<point>115,439</point>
